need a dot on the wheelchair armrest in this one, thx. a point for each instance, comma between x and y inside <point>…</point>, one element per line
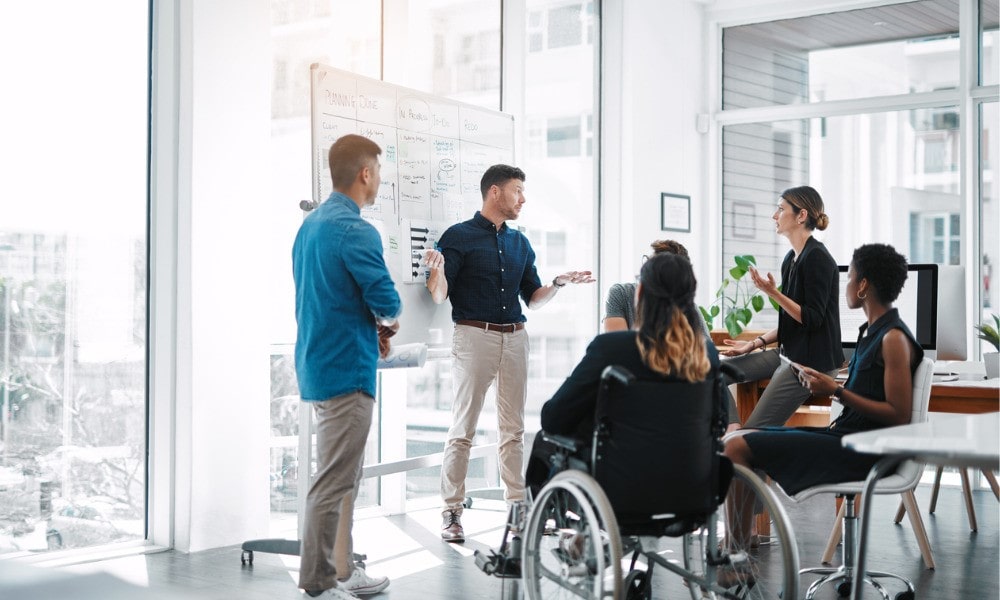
<point>562,441</point>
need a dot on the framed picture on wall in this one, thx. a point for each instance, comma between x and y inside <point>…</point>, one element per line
<point>675,212</point>
<point>744,217</point>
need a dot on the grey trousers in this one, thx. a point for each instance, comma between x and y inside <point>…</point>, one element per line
<point>782,396</point>
<point>342,425</point>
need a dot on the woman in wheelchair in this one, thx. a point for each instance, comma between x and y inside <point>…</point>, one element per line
<point>667,345</point>
<point>877,393</point>
<point>644,412</point>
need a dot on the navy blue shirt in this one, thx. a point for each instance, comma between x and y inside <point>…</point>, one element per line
<point>487,269</point>
<point>866,373</point>
<point>341,288</point>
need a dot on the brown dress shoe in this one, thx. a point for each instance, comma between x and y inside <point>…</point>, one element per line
<point>451,527</point>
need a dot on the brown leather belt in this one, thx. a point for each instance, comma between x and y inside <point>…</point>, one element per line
<point>506,328</point>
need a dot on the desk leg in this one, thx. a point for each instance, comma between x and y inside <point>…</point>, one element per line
<point>881,469</point>
<point>747,396</point>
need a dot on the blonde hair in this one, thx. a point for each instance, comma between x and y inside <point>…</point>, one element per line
<point>667,342</point>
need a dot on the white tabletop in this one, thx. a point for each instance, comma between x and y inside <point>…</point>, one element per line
<point>960,440</point>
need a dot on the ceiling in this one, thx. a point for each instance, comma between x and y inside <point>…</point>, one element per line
<point>910,20</point>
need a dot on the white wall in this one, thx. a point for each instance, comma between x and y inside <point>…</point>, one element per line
<point>654,88</point>
<point>220,137</point>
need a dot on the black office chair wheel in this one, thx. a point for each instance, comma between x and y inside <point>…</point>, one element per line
<point>637,586</point>
<point>907,595</point>
<point>246,557</point>
<point>844,589</point>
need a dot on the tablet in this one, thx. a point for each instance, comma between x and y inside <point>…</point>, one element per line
<point>795,368</point>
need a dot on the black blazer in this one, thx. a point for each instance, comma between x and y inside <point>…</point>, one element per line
<point>571,410</point>
<point>813,282</point>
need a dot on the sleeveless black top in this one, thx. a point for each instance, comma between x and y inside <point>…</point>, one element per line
<point>866,371</point>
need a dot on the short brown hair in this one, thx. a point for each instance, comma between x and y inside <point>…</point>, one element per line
<point>348,155</point>
<point>670,247</point>
<point>499,175</point>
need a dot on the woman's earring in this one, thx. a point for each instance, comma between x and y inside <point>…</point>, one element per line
<point>860,297</point>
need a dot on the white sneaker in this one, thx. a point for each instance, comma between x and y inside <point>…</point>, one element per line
<point>361,584</point>
<point>338,593</point>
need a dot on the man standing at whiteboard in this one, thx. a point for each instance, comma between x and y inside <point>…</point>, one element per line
<point>483,266</point>
<point>346,308</point>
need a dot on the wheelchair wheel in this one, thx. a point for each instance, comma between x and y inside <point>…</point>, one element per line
<point>747,564</point>
<point>572,548</point>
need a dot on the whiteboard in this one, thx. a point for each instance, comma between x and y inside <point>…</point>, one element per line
<point>434,153</point>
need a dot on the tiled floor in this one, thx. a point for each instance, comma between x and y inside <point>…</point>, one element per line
<point>408,550</point>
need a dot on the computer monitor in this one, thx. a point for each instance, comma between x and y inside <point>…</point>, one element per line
<point>932,305</point>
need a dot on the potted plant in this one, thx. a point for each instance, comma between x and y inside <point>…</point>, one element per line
<point>991,333</point>
<point>737,300</point>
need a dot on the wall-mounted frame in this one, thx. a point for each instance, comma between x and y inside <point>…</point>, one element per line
<point>675,212</point>
<point>744,220</point>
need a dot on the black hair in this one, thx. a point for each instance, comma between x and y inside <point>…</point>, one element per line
<point>883,267</point>
<point>499,175</point>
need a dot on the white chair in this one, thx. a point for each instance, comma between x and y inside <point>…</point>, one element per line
<point>970,510</point>
<point>903,482</point>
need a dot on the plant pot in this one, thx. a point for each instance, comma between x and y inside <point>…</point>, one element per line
<point>992,360</point>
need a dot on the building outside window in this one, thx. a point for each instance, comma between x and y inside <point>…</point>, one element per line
<point>888,171</point>
<point>73,273</point>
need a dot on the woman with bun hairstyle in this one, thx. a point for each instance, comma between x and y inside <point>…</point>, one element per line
<point>808,330</point>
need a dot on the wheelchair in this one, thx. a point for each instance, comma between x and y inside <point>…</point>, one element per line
<point>606,522</point>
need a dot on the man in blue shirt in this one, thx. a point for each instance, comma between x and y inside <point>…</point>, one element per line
<point>484,266</point>
<point>346,308</point>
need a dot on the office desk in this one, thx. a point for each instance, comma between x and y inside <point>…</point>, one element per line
<point>956,440</point>
<point>965,397</point>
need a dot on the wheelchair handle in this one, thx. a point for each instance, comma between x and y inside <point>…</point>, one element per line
<point>617,373</point>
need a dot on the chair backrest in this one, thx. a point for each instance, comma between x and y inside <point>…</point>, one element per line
<point>657,452</point>
<point>910,471</point>
<point>922,380</point>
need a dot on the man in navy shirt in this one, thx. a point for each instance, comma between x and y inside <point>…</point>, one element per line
<point>486,269</point>
<point>346,308</point>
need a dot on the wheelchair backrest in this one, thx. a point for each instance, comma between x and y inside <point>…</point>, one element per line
<point>656,447</point>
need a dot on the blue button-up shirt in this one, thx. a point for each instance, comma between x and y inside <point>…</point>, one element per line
<point>487,269</point>
<point>341,287</point>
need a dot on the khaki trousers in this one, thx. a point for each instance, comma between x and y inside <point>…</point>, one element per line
<point>342,425</point>
<point>478,358</point>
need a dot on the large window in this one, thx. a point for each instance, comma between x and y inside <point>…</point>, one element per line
<point>450,49</point>
<point>889,171</point>
<point>989,225</point>
<point>73,275</point>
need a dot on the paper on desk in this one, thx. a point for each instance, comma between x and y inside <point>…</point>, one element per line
<point>405,355</point>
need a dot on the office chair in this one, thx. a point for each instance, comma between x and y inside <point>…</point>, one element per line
<point>903,481</point>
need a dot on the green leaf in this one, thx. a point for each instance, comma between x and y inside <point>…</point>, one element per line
<point>737,272</point>
<point>705,314</point>
<point>774,304</point>
<point>758,303</point>
<point>743,315</point>
<point>715,311</point>
<point>733,326</point>
<point>745,260</point>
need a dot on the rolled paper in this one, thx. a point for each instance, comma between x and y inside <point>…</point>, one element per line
<point>403,356</point>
